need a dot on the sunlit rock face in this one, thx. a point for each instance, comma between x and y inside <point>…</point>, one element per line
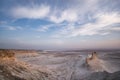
<point>12,69</point>
<point>7,55</point>
<point>94,63</point>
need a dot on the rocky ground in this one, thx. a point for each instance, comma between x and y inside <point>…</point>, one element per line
<point>103,76</point>
<point>13,69</point>
<point>54,66</point>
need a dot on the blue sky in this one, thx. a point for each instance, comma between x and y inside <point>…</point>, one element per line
<point>60,24</point>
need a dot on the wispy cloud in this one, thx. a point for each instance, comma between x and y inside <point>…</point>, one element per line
<point>3,22</point>
<point>12,28</point>
<point>35,12</point>
<point>45,11</point>
<point>102,26</point>
<point>104,22</point>
<point>69,15</point>
<point>44,28</point>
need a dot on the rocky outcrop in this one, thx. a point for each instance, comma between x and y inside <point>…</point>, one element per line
<point>7,55</point>
<point>12,69</point>
<point>94,63</point>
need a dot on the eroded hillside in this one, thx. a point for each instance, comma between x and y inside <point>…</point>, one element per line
<point>13,69</point>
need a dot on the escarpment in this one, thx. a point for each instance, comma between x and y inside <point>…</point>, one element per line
<point>13,69</point>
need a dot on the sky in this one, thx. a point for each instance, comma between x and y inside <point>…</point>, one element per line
<point>60,24</point>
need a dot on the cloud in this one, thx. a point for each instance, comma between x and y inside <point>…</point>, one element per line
<point>103,23</point>
<point>36,12</point>
<point>3,22</point>
<point>90,18</point>
<point>44,28</point>
<point>69,15</point>
<point>56,15</point>
<point>115,28</point>
<point>102,26</point>
<point>12,28</point>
